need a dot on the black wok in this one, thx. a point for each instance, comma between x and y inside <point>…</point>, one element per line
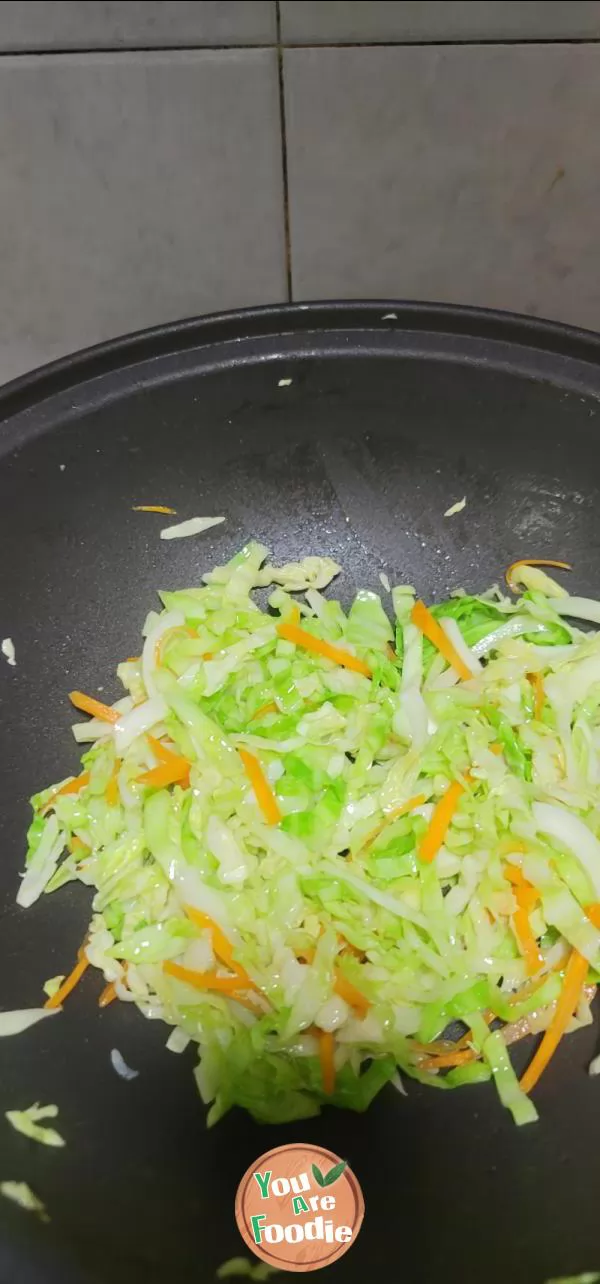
<point>394,412</point>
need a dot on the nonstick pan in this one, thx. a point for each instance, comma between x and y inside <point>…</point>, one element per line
<point>393,412</point>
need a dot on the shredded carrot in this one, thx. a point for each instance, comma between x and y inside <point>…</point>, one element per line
<point>349,993</point>
<point>264,794</point>
<point>532,561</point>
<point>575,977</point>
<point>326,1051</point>
<point>208,655</point>
<point>528,945</point>
<point>497,749</point>
<point>69,982</point>
<point>247,1002</point>
<point>539,694</point>
<point>391,816</point>
<point>427,623</point>
<point>294,616</point>
<point>111,793</point>
<point>449,1059</point>
<point>221,946</point>
<point>154,508</point>
<point>342,986</point>
<point>593,913</point>
<point>73,786</point>
<point>440,822</point>
<point>108,995</point>
<point>77,845</point>
<point>96,708</point>
<point>168,773</point>
<point>270,707</point>
<point>161,751</point>
<point>132,659</point>
<point>526,895</point>
<point>338,654</point>
<point>204,980</point>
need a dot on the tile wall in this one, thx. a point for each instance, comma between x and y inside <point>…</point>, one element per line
<point>160,160</point>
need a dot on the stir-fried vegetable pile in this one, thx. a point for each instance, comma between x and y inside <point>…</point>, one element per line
<point>326,847</point>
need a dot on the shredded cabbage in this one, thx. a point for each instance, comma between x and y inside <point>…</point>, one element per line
<point>22,1018</point>
<point>257,875</point>
<point>22,1194</point>
<point>241,1268</point>
<point>29,1123</point>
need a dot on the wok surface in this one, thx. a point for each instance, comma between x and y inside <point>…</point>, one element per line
<point>385,424</point>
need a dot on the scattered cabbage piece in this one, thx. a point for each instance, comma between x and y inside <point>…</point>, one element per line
<point>120,1065</point>
<point>242,1268</point>
<point>28,1122</point>
<point>456,508</point>
<point>594,1066</point>
<point>22,1194</point>
<point>296,577</point>
<point>193,526</point>
<point>588,1277</point>
<point>8,650</point>
<point>22,1018</point>
<point>284,383</point>
<point>53,984</point>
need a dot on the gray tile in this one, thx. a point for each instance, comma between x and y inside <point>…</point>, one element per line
<point>336,21</point>
<point>114,24</point>
<point>136,189</point>
<point>457,173</point>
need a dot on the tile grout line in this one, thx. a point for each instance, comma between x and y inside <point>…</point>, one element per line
<point>474,42</point>
<point>284,157</point>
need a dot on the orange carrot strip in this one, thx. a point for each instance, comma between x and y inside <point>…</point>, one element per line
<point>94,707</point>
<point>69,982</point>
<point>440,822</point>
<point>294,616</point>
<point>410,805</point>
<point>342,986</point>
<point>169,773</point>
<point>73,786</point>
<point>528,945</point>
<point>154,508</point>
<point>593,913</point>
<point>496,748</point>
<point>111,793</point>
<point>108,995</point>
<point>427,623</point>
<point>532,561</point>
<point>575,977</point>
<point>204,980</point>
<point>526,895</point>
<point>161,752</point>
<point>270,707</point>
<point>264,794</point>
<point>77,845</point>
<point>449,1059</point>
<point>339,655</point>
<point>350,994</point>
<point>326,1050</point>
<point>221,945</point>
<point>539,694</point>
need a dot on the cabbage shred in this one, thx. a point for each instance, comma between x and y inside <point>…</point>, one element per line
<point>333,921</point>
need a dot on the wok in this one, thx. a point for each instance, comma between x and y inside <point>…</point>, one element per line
<point>394,412</point>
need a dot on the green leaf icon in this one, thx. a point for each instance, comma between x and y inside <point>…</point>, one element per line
<point>318,1176</point>
<point>335,1172</point>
